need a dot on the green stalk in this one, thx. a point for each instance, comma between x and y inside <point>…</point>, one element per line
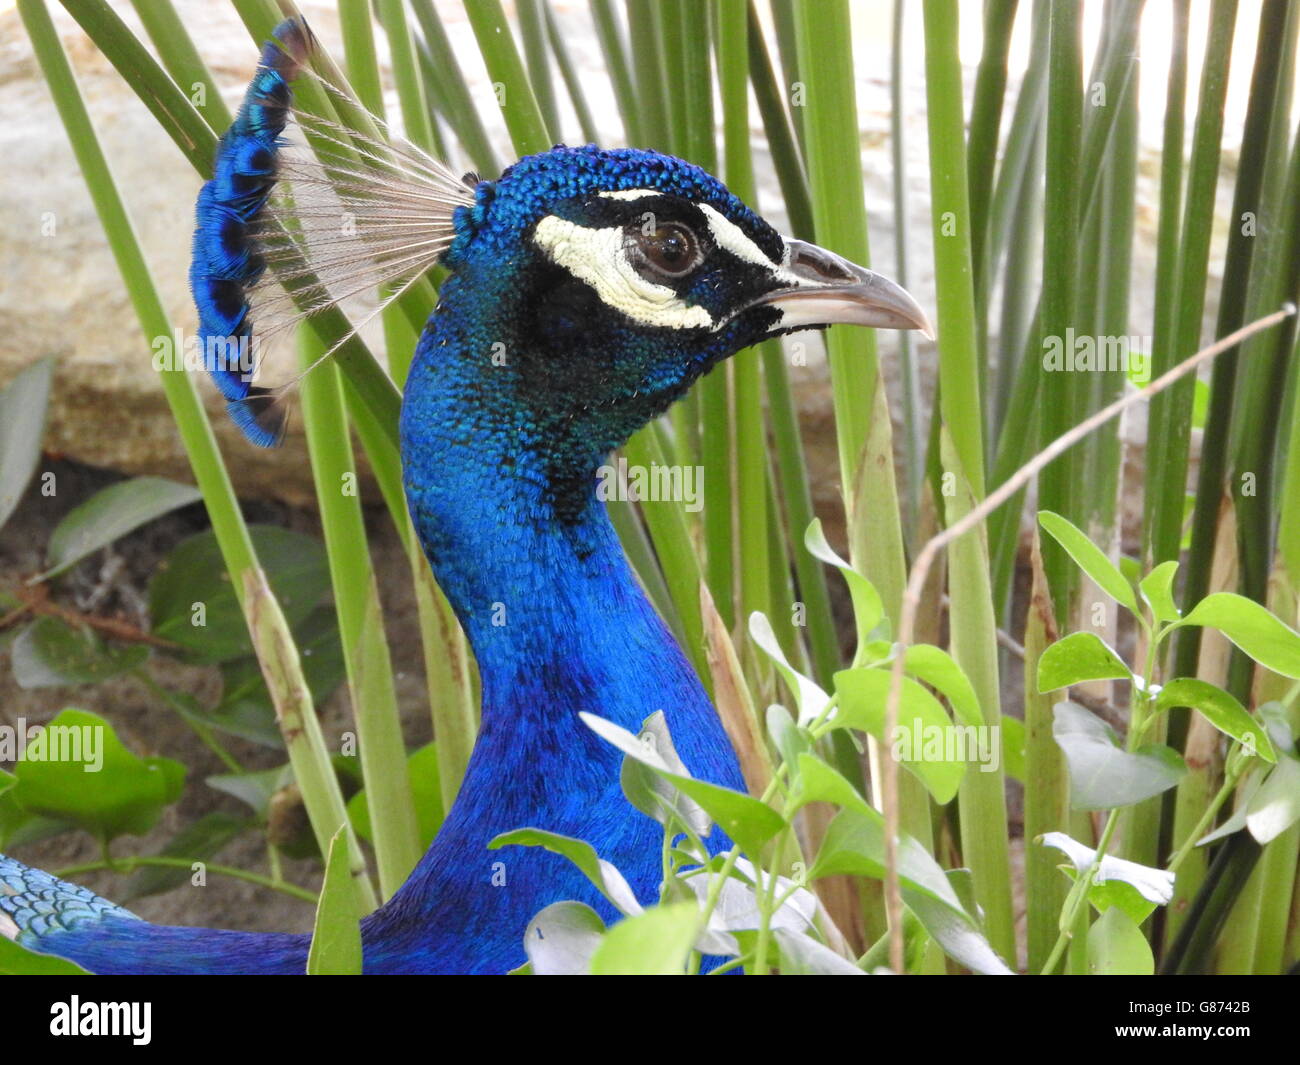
<point>311,762</point>
<point>361,632</point>
<point>973,625</point>
<point>840,220</point>
<point>417,121</point>
<point>674,32</point>
<point>1262,385</point>
<point>1282,857</point>
<point>914,443</point>
<point>1260,393</point>
<point>785,19</point>
<point>609,31</point>
<point>181,58</point>
<point>1170,417</point>
<point>172,109</point>
<point>532,28</point>
<point>1056,484</point>
<point>572,82</point>
<point>1277,877</point>
<point>756,592</point>
<point>359,54</point>
<point>1047,784</point>
<point>523,118</point>
<point>786,158</point>
<point>648,72</point>
<point>1022,195</point>
<point>670,533</point>
<point>986,121</point>
<point>823,642</point>
<point>456,103</point>
<point>1274,54</point>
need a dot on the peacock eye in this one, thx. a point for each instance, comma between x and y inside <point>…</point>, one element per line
<point>668,250</point>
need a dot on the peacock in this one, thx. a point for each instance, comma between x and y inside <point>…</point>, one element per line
<point>587,290</point>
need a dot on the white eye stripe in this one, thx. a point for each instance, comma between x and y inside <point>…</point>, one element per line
<point>630,194</point>
<point>730,237</point>
<point>598,257</point>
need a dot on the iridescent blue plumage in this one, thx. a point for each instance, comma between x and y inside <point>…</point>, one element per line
<point>225,263</point>
<point>589,289</point>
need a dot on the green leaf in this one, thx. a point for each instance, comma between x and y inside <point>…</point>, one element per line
<point>940,670</point>
<point>1090,558</point>
<point>17,960</point>
<point>203,839</point>
<point>1117,947</point>
<point>123,795</point>
<point>1277,721</point>
<point>426,790</point>
<point>1157,588</point>
<point>562,938</point>
<point>746,820</point>
<point>192,603</point>
<point>336,937</point>
<point>957,934</point>
<point>111,513</point>
<point>22,429</point>
<point>7,781</point>
<point>854,843</point>
<point>1102,774</point>
<point>791,741</point>
<point>1135,889</point>
<point>603,875</point>
<point>654,795</point>
<point>1275,807</point>
<point>1252,628</point>
<point>1079,657</point>
<point>243,718</point>
<point>256,788</point>
<point>815,781</point>
<point>802,955</point>
<point>655,943</point>
<point>810,698</point>
<point>51,654</point>
<point>925,741</point>
<point>1221,710</point>
<point>867,607</point>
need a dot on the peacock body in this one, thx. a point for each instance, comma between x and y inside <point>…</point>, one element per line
<point>589,289</point>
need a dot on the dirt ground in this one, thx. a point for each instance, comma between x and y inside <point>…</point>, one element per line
<point>114,583</point>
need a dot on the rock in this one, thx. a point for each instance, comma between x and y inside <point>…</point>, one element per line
<point>62,294</point>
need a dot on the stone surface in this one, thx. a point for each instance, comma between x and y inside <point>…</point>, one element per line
<point>60,290</point>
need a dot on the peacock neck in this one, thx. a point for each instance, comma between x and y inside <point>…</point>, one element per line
<point>503,496</point>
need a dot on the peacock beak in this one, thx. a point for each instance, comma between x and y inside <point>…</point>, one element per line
<point>830,290</point>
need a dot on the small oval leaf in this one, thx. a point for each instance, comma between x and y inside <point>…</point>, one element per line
<point>1079,657</point>
<point>1090,558</point>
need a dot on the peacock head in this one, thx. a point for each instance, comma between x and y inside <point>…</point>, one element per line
<point>600,284</point>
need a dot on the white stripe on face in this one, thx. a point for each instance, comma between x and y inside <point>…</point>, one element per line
<point>630,194</point>
<point>729,236</point>
<point>598,257</point>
